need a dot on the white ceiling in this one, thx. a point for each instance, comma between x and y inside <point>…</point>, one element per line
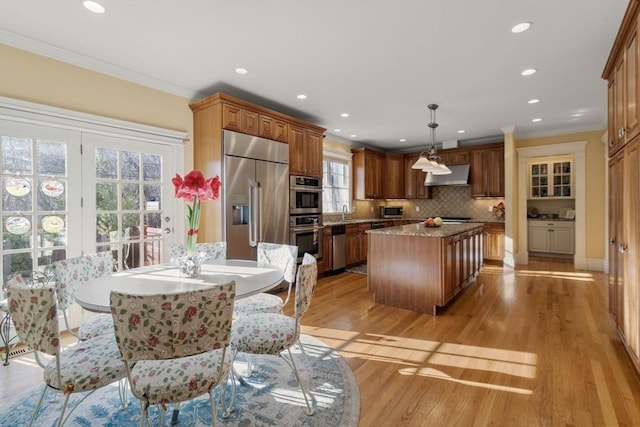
<point>382,61</point>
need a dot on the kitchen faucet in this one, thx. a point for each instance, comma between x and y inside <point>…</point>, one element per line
<point>344,211</point>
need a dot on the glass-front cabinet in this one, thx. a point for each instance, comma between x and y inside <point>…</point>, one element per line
<point>551,179</point>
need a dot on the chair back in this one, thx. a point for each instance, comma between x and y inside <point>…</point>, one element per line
<point>283,256</point>
<point>34,311</point>
<point>168,326</point>
<point>305,284</point>
<point>73,272</point>
<point>212,251</point>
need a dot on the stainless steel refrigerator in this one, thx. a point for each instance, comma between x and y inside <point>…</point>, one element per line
<point>255,193</point>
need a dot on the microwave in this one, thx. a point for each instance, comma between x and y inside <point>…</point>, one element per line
<point>391,212</point>
<point>305,196</point>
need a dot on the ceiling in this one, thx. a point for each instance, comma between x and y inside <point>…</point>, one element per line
<point>381,61</point>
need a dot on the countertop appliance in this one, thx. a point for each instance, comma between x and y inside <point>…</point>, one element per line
<point>255,193</point>
<point>339,247</point>
<point>391,212</point>
<point>305,195</point>
<point>459,176</point>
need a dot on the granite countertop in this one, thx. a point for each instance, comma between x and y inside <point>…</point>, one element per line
<point>551,219</point>
<point>444,230</point>
<point>371,220</point>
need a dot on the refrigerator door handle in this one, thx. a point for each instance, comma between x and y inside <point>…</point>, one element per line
<point>254,213</point>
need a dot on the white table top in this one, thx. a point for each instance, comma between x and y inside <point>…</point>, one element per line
<point>251,278</point>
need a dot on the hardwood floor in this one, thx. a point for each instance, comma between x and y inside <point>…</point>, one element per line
<point>524,347</point>
<point>528,347</point>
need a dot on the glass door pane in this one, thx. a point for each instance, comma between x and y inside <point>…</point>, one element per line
<point>40,195</point>
<point>133,198</point>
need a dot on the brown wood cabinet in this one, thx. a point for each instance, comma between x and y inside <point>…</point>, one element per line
<point>487,171</point>
<point>455,156</point>
<point>368,174</point>
<point>326,262</point>
<point>363,241</point>
<point>393,173</point>
<point>414,187</point>
<point>493,241</point>
<point>621,71</point>
<point>219,111</point>
<point>305,152</point>
<point>422,273</point>
<point>352,252</point>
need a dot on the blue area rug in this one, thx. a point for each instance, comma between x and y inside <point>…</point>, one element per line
<point>271,397</point>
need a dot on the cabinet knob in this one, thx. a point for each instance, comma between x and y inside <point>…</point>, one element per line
<point>612,241</point>
<point>622,248</point>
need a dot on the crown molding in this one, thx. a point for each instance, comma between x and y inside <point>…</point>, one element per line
<point>50,51</point>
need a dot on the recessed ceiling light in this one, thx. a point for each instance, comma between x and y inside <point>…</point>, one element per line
<point>344,115</point>
<point>577,115</point>
<point>536,120</point>
<point>529,71</point>
<point>461,131</point>
<point>403,139</point>
<point>353,135</point>
<point>93,6</point>
<point>519,28</point>
<point>241,70</point>
<point>533,101</point>
<point>302,96</point>
<point>337,130</point>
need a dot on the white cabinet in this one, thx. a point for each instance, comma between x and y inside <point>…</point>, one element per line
<point>551,179</point>
<point>551,236</point>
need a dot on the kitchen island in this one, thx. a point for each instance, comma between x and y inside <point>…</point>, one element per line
<point>422,268</point>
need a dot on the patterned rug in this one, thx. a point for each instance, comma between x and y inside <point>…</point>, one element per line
<point>271,397</point>
<point>359,269</point>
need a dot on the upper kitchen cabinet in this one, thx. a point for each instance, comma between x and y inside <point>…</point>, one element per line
<point>414,187</point>
<point>394,173</point>
<point>368,172</point>
<point>621,71</point>
<point>487,171</point>
<point>551,179</point>
<point>218,112</point>
<point>454,156</point>
<point>305,151</point>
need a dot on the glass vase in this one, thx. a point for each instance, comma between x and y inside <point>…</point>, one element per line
<point>189,266</point>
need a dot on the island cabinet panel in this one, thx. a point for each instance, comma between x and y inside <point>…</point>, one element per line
<point>421,270</point>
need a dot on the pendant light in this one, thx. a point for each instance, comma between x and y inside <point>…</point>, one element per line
<point>429,161</point>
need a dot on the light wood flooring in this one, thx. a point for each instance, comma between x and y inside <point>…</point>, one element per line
<point>534,346</point>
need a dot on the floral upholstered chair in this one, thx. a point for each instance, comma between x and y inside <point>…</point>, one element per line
<point>86,366</point>
<point>74,272</point>
<point>175,346</point>
<point>283,256</point>
<point>273,333</point>
<point>210,251</point>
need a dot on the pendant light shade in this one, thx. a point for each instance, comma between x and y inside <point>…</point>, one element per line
<point>429,161</point>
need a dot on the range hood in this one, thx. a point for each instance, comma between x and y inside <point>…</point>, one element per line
<point>459,176</point>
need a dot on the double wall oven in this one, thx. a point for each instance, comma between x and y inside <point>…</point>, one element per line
<point>305,215</point>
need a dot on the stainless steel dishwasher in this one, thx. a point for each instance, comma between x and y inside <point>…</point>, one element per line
<point>339,247</point>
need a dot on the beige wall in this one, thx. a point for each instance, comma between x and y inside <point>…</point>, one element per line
<point>34,78</point>
<point>596,171</point>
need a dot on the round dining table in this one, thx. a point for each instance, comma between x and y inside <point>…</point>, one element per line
<point>251,278</point>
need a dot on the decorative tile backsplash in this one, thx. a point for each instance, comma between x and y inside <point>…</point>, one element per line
<point>447,201</point>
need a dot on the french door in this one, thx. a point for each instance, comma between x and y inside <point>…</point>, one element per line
<point>66,192</point>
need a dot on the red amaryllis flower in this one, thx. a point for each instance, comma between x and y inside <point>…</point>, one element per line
<point>194,188</point>
<point>191,311</point>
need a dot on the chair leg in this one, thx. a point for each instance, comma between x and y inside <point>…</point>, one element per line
<point>5,334</point>
<point>66,324</point>
<point>144,412</point>
<point>292,364</point>
<point>175,413</point>
<point>304,353</point>
<point>214,412</point>
<point>64,407</point>
<point>35,412</point>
